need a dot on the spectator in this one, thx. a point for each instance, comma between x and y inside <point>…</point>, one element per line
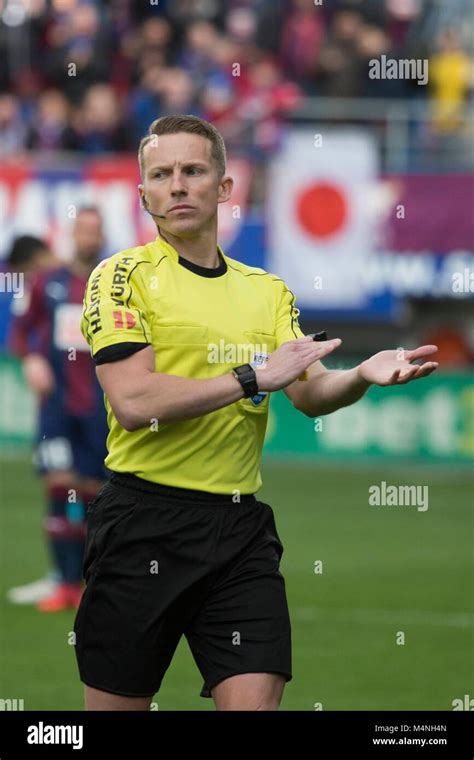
<point>153,44</point>
<point>144,103</point>
<point>270,19</point>
<point>261,107</point>
<point>12,127</point>
<point>241,28</point>
<point>340,71</point>
<point>219,94</point>
<point>49,129</point>
<point>177,93</point>
<point>79,49</point>
<point>373,42</point>
<point>303,32</point>
<point>196,56</point>
<point>97,123</point>
<point>402,15</point>
<point>449,77</point>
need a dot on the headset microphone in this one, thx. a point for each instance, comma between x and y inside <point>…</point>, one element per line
<point>145,206</point>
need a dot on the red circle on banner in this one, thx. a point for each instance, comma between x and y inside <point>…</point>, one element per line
<point>322,210</point>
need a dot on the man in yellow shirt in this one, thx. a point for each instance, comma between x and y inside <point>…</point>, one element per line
<point>188,345</point>
<point>450,80</point>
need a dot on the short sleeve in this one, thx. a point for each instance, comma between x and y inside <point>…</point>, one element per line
<point>287,324</point>
<point>114,318</point>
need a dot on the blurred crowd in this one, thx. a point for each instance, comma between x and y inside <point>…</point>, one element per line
<point>90,75</point>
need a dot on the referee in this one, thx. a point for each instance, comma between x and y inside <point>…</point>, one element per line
<point>188,345</point>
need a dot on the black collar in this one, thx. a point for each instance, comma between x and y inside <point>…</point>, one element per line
<point>204,271</point>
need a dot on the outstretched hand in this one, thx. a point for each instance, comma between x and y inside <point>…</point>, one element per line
<point>395,368</point>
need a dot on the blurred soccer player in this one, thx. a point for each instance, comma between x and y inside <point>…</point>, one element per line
<point>28,256</point>
<point>177,542</point>
<point>72,426</point>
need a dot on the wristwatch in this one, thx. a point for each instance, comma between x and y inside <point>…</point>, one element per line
<point>247,377</point>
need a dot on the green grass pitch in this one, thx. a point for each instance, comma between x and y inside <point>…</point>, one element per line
<point>386,571</point>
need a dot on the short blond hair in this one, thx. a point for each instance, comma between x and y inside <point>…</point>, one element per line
<point>193,125</point>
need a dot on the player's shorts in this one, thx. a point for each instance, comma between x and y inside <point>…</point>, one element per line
<point>161,562</point>
<point>71,442</point>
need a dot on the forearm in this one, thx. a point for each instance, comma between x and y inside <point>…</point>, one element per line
<point>331,390</point>
<point>139,396</point>
<point>172,398</point>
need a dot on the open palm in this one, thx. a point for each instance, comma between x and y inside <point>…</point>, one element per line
<point>395,368</point>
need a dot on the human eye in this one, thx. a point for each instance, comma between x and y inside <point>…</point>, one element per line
<point>193,170</point>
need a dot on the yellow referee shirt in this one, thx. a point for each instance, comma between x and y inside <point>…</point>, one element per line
<point>201,322</point>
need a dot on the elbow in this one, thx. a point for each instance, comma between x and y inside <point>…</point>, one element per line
<point>304,409</point>
<point>127,418</point>
<point>310,411</point>
<point>131,419</point>
<point>127,422</point>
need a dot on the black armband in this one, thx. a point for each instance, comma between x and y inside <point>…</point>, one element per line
<point>117,352</point>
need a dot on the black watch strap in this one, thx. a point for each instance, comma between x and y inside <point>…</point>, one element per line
<point>247,377</point>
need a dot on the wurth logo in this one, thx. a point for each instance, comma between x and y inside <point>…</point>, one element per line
<point>123,319</point>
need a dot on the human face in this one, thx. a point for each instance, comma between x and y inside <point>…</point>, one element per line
<point>182,183</point>
<point>88,236</point>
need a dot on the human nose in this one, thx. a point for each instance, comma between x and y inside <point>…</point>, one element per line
<point>178,186</point>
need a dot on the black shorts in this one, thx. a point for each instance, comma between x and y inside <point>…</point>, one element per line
<point>161,562</point>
